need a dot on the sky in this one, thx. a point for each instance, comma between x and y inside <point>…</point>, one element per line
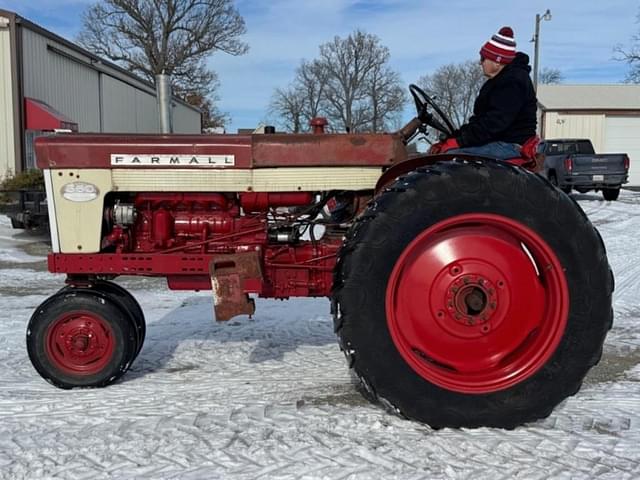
<point>421,36</point>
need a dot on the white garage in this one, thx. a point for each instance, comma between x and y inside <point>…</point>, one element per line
<point>622,134</point>
<point>609,115</point>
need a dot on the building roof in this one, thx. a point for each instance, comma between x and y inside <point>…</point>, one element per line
<point>589,97</point>
<point>97,62</point>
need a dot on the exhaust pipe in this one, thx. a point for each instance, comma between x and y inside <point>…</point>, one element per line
<point>163,95</point>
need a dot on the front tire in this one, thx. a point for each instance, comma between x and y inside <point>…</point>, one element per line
<point>79,338</point>
<point>459,301</point>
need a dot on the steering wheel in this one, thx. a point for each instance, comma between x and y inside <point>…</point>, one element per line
<point>423,101</point>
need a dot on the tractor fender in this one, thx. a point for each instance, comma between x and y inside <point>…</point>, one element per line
<point>412,164</point>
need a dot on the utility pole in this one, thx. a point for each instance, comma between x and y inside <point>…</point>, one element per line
<point>536,42</point>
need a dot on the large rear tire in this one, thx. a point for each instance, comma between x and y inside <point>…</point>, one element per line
<point>81,338</point>
<point>459,300</point>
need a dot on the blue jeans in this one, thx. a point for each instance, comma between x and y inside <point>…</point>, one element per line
<point>499,150</point>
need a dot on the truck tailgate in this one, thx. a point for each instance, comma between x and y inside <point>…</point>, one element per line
<point>607,163</point>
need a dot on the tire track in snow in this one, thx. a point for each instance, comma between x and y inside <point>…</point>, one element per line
<point>271,398</point>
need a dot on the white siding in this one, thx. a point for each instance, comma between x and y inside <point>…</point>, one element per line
<point>623,136</point>
<point>7,147</point>
<point>127,109</point>
<point>75,89</point>
<point>66,85</point>
<point>185,120</point>
<point>118,106</point>
<point>572,125</point>
<point>147,119</point>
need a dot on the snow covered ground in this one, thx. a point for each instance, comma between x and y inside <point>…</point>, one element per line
<point>271,397</point>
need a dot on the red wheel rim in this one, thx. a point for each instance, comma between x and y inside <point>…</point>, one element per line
<point>80,343</point>
<point>477,303</point>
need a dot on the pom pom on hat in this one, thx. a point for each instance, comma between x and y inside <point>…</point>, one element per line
<point>501,47</point>
<point>506,32</point>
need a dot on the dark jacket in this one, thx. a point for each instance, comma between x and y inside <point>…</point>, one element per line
<point>505,109</point>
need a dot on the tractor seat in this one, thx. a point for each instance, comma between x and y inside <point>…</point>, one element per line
<point>527,158</point>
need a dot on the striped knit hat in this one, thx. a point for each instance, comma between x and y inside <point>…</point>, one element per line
<point>501,48</point>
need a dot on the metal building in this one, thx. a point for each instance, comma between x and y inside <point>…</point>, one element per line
<point>609,115</point>
<point>48,83</point>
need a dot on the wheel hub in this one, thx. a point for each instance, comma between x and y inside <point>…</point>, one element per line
<point>80,343</point>
<point>471,299</point>
<point>495,305</point>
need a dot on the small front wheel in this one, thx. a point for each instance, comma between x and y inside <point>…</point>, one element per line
<point>80,339</point>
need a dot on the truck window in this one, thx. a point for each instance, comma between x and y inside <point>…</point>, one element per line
<point>568,148</point>
<point>555,148</point>
<point>585,147</point>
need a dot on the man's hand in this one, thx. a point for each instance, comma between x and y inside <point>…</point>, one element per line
<point>442,147</point>
<point>449,144</point>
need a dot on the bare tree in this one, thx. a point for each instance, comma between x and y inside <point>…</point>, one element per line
<point>454,87</point>
<point>288,105</point>
<point>387,97</point>
<point>361,90</point>
<point>631,56</point>
<point>302,100</point>
<point>350,83</point>
<point>311,81</point>
<point>212,117</point>
<point>149,37</point>
<point>550,76</point>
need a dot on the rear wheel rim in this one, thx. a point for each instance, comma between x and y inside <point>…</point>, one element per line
<point>477,303</point>
<point>80,343</point>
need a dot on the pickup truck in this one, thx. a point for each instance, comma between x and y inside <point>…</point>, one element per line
<point>573,164</point>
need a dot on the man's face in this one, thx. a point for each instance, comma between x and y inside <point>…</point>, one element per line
<point>489,67</point>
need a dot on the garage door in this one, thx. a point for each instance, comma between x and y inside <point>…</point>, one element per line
<point>622,135</point>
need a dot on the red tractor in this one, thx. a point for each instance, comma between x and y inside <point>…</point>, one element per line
<point>458,295</point>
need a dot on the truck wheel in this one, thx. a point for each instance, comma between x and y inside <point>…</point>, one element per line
<point>79,338</point>
<point>459,299</point>
<point>611,193</point>
<point>553,179</point>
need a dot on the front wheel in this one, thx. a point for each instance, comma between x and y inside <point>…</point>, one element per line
<point>459,301</point>
<point>125,300</point>
<point>79,338</point>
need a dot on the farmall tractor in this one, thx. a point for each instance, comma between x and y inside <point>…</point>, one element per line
<point>465,291</point>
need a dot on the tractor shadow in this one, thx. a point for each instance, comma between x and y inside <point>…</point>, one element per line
<point>184,338</point>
